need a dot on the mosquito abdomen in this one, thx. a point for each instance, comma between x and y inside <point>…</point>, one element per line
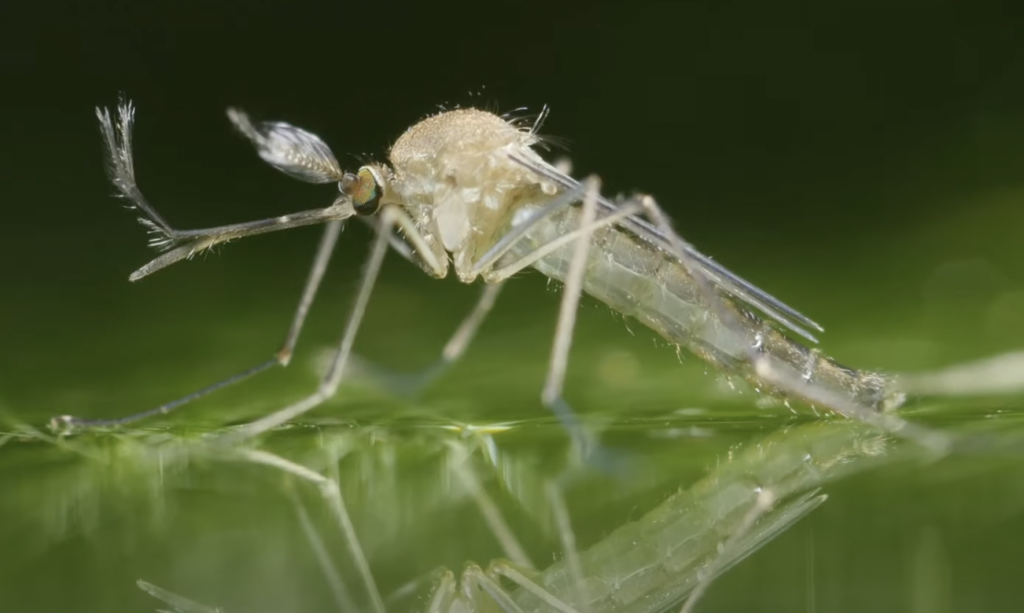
<point>640,281</point>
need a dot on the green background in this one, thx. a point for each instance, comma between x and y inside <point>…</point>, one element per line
<point>865,165</point>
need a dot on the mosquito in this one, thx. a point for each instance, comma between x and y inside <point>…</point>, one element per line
<point>466,190</point>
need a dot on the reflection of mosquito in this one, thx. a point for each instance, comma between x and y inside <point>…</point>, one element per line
<point>465,188</point>
<point>670,554</point>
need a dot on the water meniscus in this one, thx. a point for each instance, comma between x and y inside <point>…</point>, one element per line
<point>466,190</point>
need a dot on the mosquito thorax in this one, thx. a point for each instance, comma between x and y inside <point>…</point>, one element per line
<point>455,178</point>
<point>365,187</point>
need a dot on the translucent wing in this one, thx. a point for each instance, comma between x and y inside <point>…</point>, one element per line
<point>299,154</point>
<point>725,280</point>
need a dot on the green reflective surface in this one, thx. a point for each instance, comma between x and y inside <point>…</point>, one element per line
<point>865,168</point>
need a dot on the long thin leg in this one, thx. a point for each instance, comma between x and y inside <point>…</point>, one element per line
<point>316,275</point>
<point>282,356</point>
<point>414,383</point>
<point>551,395</point>
<point>994,375</point>
<point>331,378</point>
<point>463,336</point>
<point>507,241</point>
<point>628,209</point>
<point>729,282</point>
<point>460,340</point>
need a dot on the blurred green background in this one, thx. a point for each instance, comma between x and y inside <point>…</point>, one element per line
<point>864,164</point>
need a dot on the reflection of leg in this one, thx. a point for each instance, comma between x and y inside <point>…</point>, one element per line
<point>568,539</point>
<point>444,593</point>
<point>490,511</point>
<point>331,493</point>
<point>339,590</point>
<point>513,574</point>
<point>476,583</point>
<point>413,384</point>
<point>176,601</point>
<point>762,522</point>
<point>762,504</point>
<point>995,375</point>
<point>439,584</point>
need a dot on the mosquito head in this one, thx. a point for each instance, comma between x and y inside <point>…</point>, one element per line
<point>365,188</point>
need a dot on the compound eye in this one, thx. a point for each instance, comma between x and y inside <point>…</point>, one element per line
<point>365,190</point>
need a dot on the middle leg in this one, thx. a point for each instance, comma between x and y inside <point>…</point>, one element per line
<point>413,384</point>
<point>391,217</point>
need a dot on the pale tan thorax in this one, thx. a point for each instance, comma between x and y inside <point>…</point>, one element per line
<point>453,175</point>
